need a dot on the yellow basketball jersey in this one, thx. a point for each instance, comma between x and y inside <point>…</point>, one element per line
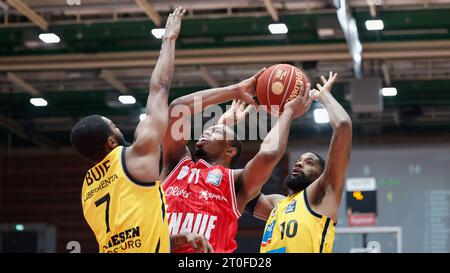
<point>294,227</point>
<point>125,215</point>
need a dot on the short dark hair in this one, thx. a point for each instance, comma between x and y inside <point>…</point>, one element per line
<point>240,148</point>
<point>321,161</point>
<point>88,137</point>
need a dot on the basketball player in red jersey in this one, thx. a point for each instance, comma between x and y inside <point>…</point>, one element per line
<point>206,196</point>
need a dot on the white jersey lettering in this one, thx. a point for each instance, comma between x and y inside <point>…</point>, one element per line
<point>202,224</point>
<point>211,226</point>
<point>174,223</point>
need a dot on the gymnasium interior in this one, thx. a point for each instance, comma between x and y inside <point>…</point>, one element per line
<point>62,60</point>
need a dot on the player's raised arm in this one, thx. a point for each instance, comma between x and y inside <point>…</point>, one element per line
<point>149,132</point>
<point>258,170</point>
<point>333,177</point>
<point>244,90</point>
<point>174,142</point>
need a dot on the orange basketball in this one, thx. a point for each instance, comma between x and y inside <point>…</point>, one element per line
<point>279,84</point>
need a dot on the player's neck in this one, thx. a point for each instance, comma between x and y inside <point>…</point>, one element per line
<point>215,162</point>
<point>292,192</point>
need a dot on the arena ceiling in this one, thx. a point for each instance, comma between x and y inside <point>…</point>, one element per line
<point>107,48</point>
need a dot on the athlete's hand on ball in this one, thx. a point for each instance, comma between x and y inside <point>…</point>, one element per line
<point>326,88</point>
<point>173,24</point>
<point>300,104</point>
<point>246,89</point>
<point>236,113</point>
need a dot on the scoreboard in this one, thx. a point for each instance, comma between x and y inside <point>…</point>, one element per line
<point>361,201</point>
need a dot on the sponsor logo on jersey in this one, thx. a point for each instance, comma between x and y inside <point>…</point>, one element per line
<point>198,223</point>
<point>124,240</point>
<point>98,187</point>
<point>98,172</point>
<point>267,237</point>
<point>182,174</point>
<point>214,177</point>
<point>177,192</point>
<point>274,211</point>
<point>291,207</point>
<point>206,195</point>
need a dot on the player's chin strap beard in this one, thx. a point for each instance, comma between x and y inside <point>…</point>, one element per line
<point>297,183</point>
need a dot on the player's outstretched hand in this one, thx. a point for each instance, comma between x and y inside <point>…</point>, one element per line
<point>300,104</point>
<point>237,113</point>
<point>246,89</point>
<point>173,24</point>
<point>325,88</point>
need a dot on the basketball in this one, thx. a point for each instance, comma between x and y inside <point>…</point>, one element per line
<point>279,84</point>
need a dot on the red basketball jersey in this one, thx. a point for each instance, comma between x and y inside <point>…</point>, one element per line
<point>201,199</point>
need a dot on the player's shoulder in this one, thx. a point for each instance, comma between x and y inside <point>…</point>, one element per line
<point>184,161</point>
<point>236,173</point>
<point>275,198</point>
<point>223,168</point>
